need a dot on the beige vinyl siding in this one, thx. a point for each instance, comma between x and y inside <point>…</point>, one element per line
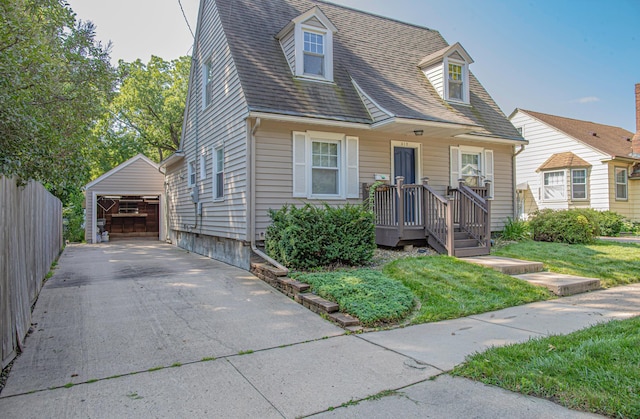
<point>630,207</point>
<point>314,22</point>
<point>221,123</point>
<point>136,178</point>
<point>435,75</point>
<point>274,185</point>
<point>288,44</point>
<point>544,141</point>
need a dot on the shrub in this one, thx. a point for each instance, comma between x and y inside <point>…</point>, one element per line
<point>611,223</point>
<point>515,230</point>
<point>564,226</point>
<point>369,295</point>
<point>309,236</point>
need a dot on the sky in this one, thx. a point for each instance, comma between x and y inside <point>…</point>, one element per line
<point>573,58</point>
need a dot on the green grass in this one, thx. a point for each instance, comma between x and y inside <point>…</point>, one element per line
<point>613,263</point>
<point>449,288</point>
<point>367,294</point>
<point>595,369</point>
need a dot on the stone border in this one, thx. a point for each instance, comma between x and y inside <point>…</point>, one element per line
<point>300,292</point>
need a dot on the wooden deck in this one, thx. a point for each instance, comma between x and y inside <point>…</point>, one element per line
<point>458,224</point>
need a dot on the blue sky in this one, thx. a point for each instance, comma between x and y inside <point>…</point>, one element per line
<point>574,58</point>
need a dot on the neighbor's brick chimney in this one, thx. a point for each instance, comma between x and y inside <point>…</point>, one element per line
<point>635,142</point>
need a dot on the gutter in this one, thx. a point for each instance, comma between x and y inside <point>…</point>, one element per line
<point>251,151</point>
<point>514,180</point>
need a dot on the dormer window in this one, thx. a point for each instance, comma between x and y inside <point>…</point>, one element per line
<point>307,43</point>
<point>455,82</point>
<point>448,72</point>
<point>313,50</point>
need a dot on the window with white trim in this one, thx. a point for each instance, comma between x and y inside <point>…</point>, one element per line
<point>313,49</point>
<point>207,82</point>
<point>191,173</point>
<point>553,186</point>
<point>325,165</point>
<point>203,166</point>
<point>218,172</point>
<point>472,164</point>
<point>578,183</point>
<point>455,81</point>
<point>621,184</point>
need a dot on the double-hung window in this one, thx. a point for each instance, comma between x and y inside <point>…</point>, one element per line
<point>578,183</point>
<point>313,50</point>
<point>470,168</point>
<point>553,186</point>
<point>621,183</point>
<point>325,168</point>
<point>325,165</point>
<point>456,81</point>
<point>191,173</point>
<point>218,172</point>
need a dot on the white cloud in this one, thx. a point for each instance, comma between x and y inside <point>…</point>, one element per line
<point>588,99</point>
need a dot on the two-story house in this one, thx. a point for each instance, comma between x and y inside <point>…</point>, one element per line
<point>301,101</point>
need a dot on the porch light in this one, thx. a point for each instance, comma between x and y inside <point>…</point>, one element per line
<point>418,132</point>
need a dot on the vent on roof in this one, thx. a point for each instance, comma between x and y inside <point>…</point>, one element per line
<point>595,134</point>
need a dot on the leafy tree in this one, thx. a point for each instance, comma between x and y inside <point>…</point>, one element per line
<point>55,80</point>
<point>146,114</point>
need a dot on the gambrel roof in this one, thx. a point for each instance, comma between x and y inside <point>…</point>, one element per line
<point>608,139</point>
<point>379,54</point>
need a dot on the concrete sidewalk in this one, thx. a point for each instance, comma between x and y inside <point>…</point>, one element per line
<point>143,329</point>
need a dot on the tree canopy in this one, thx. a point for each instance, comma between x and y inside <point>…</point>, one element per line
<point>146,114</point>
<point>55,80</point>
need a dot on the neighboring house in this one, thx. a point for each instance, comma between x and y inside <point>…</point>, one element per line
<point>127,201</point>
<point>577,164</point>
<point>295,101</point>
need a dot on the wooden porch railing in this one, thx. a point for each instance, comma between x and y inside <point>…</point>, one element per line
<point>412,212</point>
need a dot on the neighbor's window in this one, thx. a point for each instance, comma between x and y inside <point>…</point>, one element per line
<point>470,168</point>
<point>621,183</point>
<point>325,168</point>
<point>313,54</point>
<point>191,173</point>
<point>553,186</point>
<point>218,186</point>
<point>579,184</point>
<point>455,82</point>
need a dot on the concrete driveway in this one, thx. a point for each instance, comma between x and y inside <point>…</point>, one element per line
<point>143,329</point>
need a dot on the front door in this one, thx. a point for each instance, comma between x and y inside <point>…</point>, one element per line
<point>404,164</point>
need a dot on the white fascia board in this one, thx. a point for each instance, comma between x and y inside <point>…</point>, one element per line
<point>174,158</point>
<point>422,123</point>
<point>486,139</point>
<point>308,120</point>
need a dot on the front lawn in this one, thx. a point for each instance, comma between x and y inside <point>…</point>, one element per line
<point>594,369</point>
<point>449,288</point>
<point>611,262</point>
<point>367,294</point>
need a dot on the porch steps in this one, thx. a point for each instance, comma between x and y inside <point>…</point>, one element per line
<point>300,292</point>
<point>532,272</point>
<point>466,246</point>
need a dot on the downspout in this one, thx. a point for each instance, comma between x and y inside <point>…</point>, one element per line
<point>166,204</point>
<point>514,180</point>
<point>251,150</point>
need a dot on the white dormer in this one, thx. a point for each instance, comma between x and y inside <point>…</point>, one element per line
<point>307,42</point>
<point>448,72</point>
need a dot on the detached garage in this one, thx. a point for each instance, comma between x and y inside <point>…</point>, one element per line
<point>127,201</point>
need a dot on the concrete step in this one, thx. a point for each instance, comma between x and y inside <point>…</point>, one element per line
<point>561,284</point>
<point>506,265</point>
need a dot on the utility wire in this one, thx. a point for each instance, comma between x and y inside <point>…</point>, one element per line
<point>185,19</point>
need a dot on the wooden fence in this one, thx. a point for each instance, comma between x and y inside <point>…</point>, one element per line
<point>30,241</point>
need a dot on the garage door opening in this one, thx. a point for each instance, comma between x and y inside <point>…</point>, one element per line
<point>127,216</point>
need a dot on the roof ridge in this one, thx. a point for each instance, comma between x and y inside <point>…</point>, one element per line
<point>571,119</point>
<point>353,9</point>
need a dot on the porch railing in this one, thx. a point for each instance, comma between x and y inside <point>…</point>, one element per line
<point>408,212</point>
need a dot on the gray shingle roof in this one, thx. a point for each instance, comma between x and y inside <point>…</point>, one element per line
<point>380,54</point>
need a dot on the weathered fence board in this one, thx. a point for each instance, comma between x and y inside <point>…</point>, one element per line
<point>30,241</point>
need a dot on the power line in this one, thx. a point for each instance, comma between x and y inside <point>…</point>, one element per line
<point>185,19</point>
